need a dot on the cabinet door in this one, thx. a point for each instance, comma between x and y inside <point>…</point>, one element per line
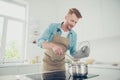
<point>8,71</point>
<point>28,69</point>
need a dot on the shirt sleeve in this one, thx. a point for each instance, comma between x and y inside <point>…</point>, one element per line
<point>45,36</point>
<point>73,44</point>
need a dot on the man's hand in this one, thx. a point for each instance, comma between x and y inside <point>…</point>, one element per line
<point>56,48</point>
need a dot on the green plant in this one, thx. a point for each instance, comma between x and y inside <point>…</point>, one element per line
<point>12,51</point>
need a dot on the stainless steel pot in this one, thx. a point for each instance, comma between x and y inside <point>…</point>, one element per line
<point>78,69</point>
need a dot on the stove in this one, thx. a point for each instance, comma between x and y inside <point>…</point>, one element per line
<point>59,75</point>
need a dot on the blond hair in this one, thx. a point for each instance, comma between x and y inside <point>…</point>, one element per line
<point>75,11</point>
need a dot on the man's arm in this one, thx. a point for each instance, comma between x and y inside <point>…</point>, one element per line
<point>57,49</point>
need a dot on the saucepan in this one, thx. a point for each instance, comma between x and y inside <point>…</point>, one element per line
<point>78,69</point>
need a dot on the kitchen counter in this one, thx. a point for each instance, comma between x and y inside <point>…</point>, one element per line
<point>105,73</point>
<point>105,65</point>
<point>19,68</point>
<point>99,74</point>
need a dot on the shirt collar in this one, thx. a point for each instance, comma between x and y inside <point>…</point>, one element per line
<point>59,28</point>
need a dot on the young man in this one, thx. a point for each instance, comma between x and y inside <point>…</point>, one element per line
<point>57,39</point>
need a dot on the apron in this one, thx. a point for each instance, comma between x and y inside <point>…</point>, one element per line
<point>52,61</point>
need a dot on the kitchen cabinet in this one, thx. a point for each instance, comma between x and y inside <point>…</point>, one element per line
<point>19,69</point>
<point>105,73</point>
<point>8,70</point>
<point>29,69</point>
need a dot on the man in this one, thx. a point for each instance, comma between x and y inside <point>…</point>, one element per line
<point>57,39</point>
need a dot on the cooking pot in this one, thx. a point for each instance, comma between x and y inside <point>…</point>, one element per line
<point>78,69</point>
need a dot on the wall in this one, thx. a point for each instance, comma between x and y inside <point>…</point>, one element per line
<point>106,50</point>
<point>100,24</point>
<point>100,17</point>
<point>41,13</point>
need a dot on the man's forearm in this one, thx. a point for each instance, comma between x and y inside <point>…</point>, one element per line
<point>47,45</point>
<point>57,49</point>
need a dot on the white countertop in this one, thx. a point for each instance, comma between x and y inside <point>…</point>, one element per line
<point>17,64</point>
<point>105,72</point>
<point>107,66</point>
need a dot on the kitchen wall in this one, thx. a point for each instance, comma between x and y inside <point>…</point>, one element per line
<point>100,17</point>
<point>100,25</point>
<point>106,50</point>
<point>41,14</point>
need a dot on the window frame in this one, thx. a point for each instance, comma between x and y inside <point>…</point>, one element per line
<point>25,24</point>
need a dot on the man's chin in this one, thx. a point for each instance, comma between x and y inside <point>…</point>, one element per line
<point>68,28</point>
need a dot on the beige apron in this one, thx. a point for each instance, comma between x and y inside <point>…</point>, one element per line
<point>52,61</point>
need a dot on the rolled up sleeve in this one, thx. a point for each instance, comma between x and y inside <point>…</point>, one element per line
<point>73,44</point>
<point>46,36</point>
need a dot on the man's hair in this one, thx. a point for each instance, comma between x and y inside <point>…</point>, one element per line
<point>75,11</point>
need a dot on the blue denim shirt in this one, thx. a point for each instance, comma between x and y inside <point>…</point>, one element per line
<point>51,30</point>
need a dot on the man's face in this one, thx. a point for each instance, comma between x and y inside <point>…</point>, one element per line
<point>71,20</point>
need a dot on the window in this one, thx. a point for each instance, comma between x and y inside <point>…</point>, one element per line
<point>14,39</point>
<point>1,29</point>
<point>12,30</point>
<point>12,9</point>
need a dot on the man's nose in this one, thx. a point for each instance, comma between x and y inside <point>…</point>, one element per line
<point>73,24</point>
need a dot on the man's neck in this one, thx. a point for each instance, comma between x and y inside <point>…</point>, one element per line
<point>64,28</point>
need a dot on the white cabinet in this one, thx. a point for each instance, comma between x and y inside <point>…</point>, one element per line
<point>28,69</point>
<point>105,73</point>
<point>19,69</point>
<point>8,70</point>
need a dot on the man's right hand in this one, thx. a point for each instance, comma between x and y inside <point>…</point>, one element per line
<point>56,48</point>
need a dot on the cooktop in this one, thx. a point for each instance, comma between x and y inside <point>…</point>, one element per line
<point>58,75</point>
